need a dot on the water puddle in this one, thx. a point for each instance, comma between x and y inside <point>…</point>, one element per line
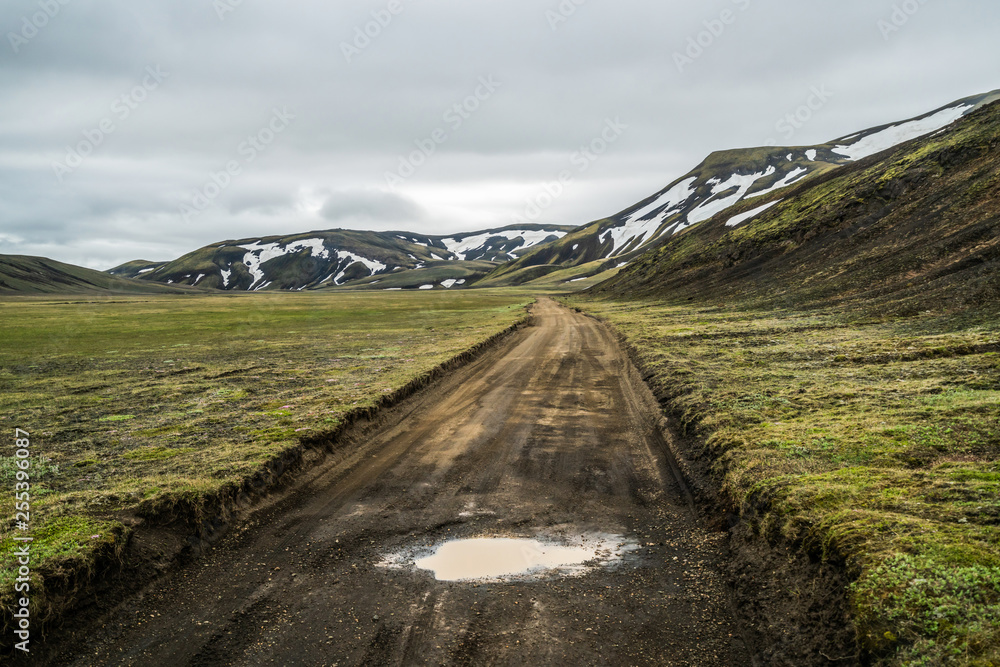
<point>506,558</point>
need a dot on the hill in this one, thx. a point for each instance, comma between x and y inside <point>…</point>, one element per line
<point>338,258</point>
<point>915,228</point>
<point>732,180</point>
<point>20,274</point>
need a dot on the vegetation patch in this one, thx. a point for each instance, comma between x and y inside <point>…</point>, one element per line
<point>140,406</point>
<point>875,443</point>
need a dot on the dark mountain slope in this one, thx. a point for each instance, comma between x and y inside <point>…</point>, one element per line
<point>723,182</point>
<point>914,226</point>
<point>340,257</point>
<point>20,274</point>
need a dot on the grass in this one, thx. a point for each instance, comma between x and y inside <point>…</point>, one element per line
<point>134,404</point>
<point>874,441</point>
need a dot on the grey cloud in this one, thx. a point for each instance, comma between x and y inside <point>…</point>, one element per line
<point>354,120</point>
<point>370,205</point>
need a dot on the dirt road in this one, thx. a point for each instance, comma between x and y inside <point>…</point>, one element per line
<point>550,433</point>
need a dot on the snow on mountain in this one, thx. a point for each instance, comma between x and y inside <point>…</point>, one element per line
<point>898,134</point>
<point>350,259</point>
<point>723,181</point>
<point>259,253</point>
<point>743,217</point>
<point>791,178</point>
<point>498,245</point>
<point>636,229</point>
<point>741,182</point>
<point>471,247</point>
<point>339,258</point>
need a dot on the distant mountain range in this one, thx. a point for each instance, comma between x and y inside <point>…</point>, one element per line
<point>344,258</point>
<point>725,192</point>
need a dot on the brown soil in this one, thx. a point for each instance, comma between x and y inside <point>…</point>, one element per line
<point>552,431</point>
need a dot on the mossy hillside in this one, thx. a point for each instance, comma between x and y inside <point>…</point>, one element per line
<point>294,270</point>
<point>433,274</point>
<point>27,276</point>
<point>912,228</point>
<point>873,443</point>
<point>135,268</point>
<point>585,245</point>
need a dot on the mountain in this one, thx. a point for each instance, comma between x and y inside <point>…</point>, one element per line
<point>725,180</point>
<point>339,258</point>
<point>904,230</point>
<point>20,274</point>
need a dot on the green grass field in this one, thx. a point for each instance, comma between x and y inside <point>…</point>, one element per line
<point>876,441</point>
<point>135,404</point>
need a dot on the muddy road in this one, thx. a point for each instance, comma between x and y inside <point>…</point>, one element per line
<point>549,435</point>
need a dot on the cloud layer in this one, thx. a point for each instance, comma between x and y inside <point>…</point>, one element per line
<point>147,128</point>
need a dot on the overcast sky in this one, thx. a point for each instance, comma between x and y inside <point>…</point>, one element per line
<point>288,117</point>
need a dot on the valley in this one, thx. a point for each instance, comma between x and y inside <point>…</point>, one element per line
<point>763,402</point>
<point>547,435</point>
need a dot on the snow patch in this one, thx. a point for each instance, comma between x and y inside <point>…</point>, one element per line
<point>743,217</point>
<point>531,237</point>
<point>427,287</point>
<point>792,177</point>
<point>146,271</point>
<point>811,154</point>
<point>372,265</point>
<point>898,134</point>
<point>258,253</point>
<point>743,183</point>
<point>225,277</point>
<point>634,227</point>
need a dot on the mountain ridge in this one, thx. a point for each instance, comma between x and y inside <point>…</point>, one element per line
<point>722,180</point>
<point>340,258</point>
<point>909,228</point>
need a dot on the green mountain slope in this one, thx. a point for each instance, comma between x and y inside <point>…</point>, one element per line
<point>912,227</point>
<point>734,180</point>
<point>20,274</point>
<point>338,258</point>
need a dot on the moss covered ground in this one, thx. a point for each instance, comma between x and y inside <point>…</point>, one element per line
<point>869,440</point>
<point>136,404</point>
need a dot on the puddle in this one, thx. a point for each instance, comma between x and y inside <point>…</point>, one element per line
<point>505,558</point>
